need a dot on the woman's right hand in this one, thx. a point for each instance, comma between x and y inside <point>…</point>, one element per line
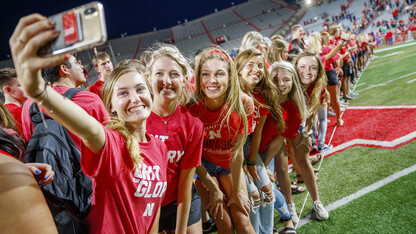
<point>216,203</point>
<point>31,33</point>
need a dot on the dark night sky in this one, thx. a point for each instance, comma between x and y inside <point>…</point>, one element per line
<point>122,16</point>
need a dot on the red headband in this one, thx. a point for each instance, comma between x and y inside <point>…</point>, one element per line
<point>217,52</point>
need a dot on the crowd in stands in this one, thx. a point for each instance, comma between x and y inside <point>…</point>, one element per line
<point>169,144</point>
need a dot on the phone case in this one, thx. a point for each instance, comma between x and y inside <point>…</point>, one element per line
<point>80,28</point>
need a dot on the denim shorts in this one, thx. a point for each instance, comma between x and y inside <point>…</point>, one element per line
<point>168,213</point>
<point>332,77</point>
<point>213,169</point>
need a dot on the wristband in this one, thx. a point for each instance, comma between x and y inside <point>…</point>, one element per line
<point>251,163</point>
<point>307,134</point>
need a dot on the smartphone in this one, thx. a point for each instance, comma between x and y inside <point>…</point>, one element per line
<point>80,28</point>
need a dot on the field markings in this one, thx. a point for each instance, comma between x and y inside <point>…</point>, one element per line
<point>410,81</point>
<point>360,193</point>
<point>384,83</point>
<point>380,107</point>
<point>373,143</point>
<point>388,55</point>
<point>394,47</point>
<point>358,85</point>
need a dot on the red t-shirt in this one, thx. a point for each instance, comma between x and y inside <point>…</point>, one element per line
<point>310,90</point>
<point>91,103</point>
<point>259,111</point>
<point>16,111</point>
<point>5,153</point>
<point>183,136</point>
<point>97,87</point>
<point>292,120</point>
<point>125,200</point>
<point>219,139</point>
<point>328,63</point>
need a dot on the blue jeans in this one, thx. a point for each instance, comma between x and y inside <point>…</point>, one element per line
<point>280,203</point>
<point>323,124</point>
<point>262,213</point>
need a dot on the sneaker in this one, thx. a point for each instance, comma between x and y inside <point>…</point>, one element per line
<point>346,97</point>
<point>354,94</point>
<point>321,213</point>
<point>343,104</point>
<point>331,114</point>
<point>314,148</point>
<point>343,101</point>
<point>209,226</point>
<point>324,148</point>
<point>292,210</point>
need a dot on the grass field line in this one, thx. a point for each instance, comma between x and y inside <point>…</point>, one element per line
<point>394,47</point>
<point>381,107</point>
<point>361,192</point>
<point>384,83</point>
<point>388,55</point>
<point>387,144</point>
<point>410,81</point>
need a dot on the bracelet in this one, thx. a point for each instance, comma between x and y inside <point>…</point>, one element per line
<point>251,163</point>
<point>41,92</point>
<point>307,134</point>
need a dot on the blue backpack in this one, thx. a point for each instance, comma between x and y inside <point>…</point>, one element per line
<point>53,145</point>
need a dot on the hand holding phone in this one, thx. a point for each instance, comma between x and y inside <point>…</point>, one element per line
<point>79,28</point>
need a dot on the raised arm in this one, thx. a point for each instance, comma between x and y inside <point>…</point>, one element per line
<point>30,34</point>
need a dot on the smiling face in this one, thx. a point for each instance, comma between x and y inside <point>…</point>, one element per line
<point>283,80</point>
<point>307,69</point>
<point>166,79</point>
<point>214,79</point>
<point>131,99</point>
<point>253,71</point>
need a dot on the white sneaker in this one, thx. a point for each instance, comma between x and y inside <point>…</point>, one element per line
<point>292,210</point>
<point>321,213</point>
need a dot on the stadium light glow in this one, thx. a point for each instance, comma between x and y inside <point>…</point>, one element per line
<point>308,2</point>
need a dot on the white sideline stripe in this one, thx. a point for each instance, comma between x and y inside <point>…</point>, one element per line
<point>410,81</point>
<point>388,55</point>
<point>360,84</point>
<point>373,142</point>
<point>384,83</point>
<point>361,192</point>
<point>394,47</point>
<point>381,107</point>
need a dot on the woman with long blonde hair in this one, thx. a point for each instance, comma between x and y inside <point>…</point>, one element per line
<point>278,51</point>
<point>127,165</point>
<point>313,79</point>
<point>273,141</point>
<point>227,115</point>
<point>182,133</point>
<point>255,81</point>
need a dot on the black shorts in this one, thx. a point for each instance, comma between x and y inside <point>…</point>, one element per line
<point>168,213</point>
<point>346,69</point>
<point>332,77</point>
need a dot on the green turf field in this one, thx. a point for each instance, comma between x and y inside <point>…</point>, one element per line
<point>390,79</point>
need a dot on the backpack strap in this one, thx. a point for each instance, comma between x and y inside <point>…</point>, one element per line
<point>36,115</point>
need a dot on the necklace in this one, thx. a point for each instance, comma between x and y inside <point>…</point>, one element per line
<point>165,121</point>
